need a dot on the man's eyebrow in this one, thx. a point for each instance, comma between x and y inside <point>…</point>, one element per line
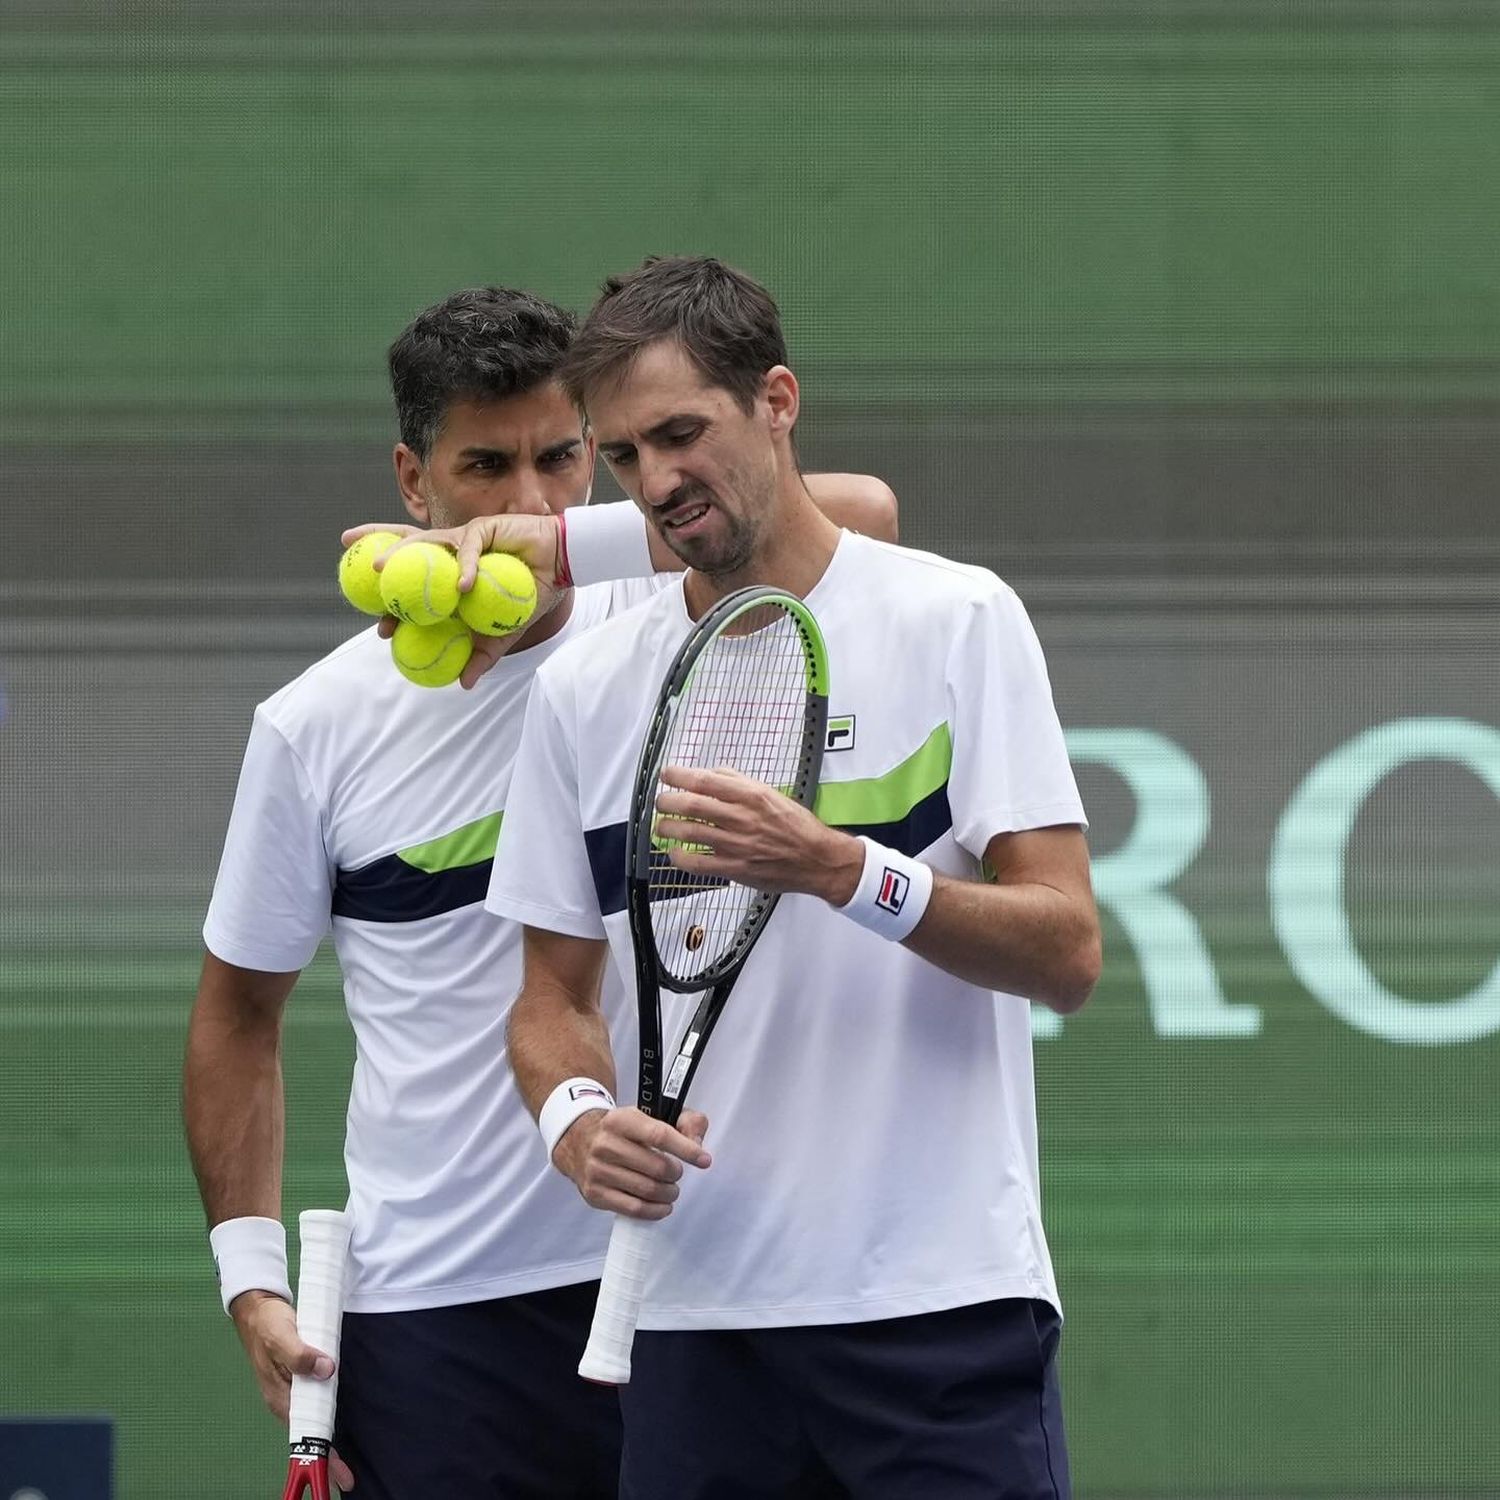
<point>655,433</point>
<point>483,450</point>
<point>661,429</point>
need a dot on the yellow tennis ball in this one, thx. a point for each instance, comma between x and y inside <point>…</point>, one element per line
<point>357,576</point>
<point>419,583</point>
<point>503,598</point>
<point>431,655</point>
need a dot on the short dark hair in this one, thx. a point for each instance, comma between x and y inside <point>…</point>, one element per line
<point>727,323</point>
<point>481,344</point>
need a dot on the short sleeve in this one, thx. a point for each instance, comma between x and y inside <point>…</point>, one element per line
<point>542,876</point>
<point>274,891</point>
<point>1010,764</point>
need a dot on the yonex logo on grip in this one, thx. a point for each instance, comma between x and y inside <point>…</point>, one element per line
<point>893,888</point>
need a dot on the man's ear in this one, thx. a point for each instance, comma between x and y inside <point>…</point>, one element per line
<point>409,471</point>
<point>783,399</point>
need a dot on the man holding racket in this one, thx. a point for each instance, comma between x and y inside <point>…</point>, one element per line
<point>370,808</point>
<point>854,1295</point>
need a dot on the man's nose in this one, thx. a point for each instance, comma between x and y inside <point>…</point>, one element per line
<point>660,479</point>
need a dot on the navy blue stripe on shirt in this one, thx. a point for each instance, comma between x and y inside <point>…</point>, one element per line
<point>390,890</point>
<point>922,827</point>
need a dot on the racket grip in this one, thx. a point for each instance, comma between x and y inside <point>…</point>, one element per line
<point>606,1358</point>
<point>321,1281</point>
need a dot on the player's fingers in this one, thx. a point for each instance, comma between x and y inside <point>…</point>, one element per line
<point>693,805</point>
<point>410,535</point>
<point>386,627</point>
<point>353,534</point>
<point>724,782</point>
<point>275,1388</point>
<point>693,1123</point>
<point>340,1472</point>
<point>697,862</point>
<point>695,833</point>
<point>610,1152</point>
<point>611,1200</point>
<point>471,547</point>
<point>675,1143</point>
<point>299,1358</point>
<point>633,1184</point>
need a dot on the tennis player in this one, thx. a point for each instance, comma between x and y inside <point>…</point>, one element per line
<point>854,1295</point>
<point>370,809</point>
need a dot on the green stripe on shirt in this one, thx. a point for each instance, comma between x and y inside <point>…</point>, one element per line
<point>468,845</point>
<point>888,798</point>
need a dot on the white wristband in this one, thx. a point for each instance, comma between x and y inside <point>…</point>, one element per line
<point>892,893</point>
<point>250,1256</point>
<point>606,542</point>
<point>571,1098</point>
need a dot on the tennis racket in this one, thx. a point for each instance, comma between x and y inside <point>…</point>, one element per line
<point>749,691</point>
<point>321,1281</point>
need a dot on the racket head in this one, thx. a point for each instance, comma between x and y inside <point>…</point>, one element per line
<point>747,690</point>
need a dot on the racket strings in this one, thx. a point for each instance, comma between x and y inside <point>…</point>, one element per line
<point>743,707</point>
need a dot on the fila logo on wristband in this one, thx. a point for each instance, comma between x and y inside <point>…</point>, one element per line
<point>893,888</point>
<point>571,1098</point>
<point>892,893</point>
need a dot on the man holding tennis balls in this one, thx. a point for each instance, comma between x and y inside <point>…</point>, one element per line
<point>852,1296</point>
<point>368,809</point>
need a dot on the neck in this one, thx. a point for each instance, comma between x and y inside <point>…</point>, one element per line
<point>794,552</point>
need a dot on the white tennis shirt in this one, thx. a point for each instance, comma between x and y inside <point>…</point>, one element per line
<point>872,1119</point>
<point>370,807</point>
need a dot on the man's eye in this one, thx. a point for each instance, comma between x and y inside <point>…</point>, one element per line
<point>682,436</point>
<point>559,460</point>
<point>622,457</point>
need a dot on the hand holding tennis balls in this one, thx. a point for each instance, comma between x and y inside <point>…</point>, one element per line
<point>426,615</point>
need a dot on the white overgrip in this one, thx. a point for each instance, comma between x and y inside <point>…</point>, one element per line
<point>321,1281</point>
<point>606,1359</point>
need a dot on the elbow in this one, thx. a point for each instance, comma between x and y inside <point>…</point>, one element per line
<point>1077,974</point>
<point>885,516</point>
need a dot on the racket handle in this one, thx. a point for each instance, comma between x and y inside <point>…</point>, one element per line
<point>321,1280</point>
<point>606,1359</point>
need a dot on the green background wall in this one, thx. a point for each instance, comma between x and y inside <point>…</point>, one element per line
<point>1185,317</point>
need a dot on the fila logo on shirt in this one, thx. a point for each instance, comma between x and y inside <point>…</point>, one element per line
<point>840,734</point>
<point>893,888</point>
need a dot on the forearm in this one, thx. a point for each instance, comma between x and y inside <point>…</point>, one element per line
<point>232,1103</point>
<point>554,1034</point>
<point>1029,940</point>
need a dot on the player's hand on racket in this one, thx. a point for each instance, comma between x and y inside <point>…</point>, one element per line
<point>267,1327</point>
<point>728,824</point>
<point>626,1162</point>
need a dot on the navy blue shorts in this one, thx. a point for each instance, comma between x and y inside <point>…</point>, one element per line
<point>478,1402</point>
<point>956,1405</point>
